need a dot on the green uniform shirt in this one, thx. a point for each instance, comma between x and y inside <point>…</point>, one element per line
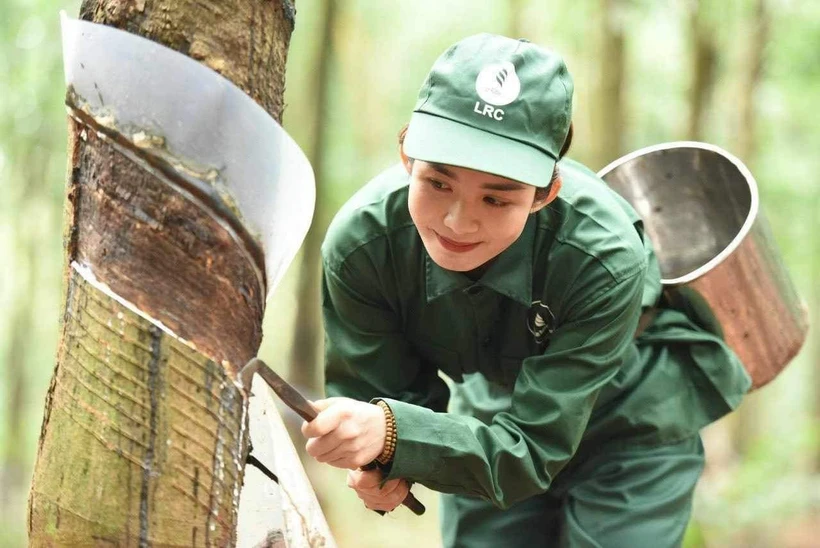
<point>541,347</point>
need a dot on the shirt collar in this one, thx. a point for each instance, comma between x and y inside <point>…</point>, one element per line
<point>510,274</point>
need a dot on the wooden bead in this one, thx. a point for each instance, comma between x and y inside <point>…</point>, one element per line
<point>390,438</point>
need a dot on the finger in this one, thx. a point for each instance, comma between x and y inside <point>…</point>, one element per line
<point>323,444</point>
<point>402,490</point>
<point>365,479</point>
<point>340,456</point>
<point>345,461</point>
<point>395,497</point>
<point>339,440</point>
<point>327,421</point>
<point>321,405</point>
<point>324,449</point>
<point>354,478</point>
<point>353,458</point>
<point>397,492</point>
<point>391,485</point>
<point>374,492</point>
<point>376,500</point>
<point>375,496</point>
<point>383,504</point>
<point>383,490</point>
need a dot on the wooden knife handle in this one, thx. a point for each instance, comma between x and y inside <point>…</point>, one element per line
<point>413,504</point>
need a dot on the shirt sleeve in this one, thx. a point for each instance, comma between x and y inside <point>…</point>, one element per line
<point>519,454</point>
<point>366,353</point>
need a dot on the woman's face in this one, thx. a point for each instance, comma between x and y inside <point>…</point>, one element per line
<point>466,217</point>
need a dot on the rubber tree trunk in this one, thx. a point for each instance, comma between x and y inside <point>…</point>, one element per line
<point>144,434</point>
<point>305,359</point>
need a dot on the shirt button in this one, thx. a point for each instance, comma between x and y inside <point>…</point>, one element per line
<point>485,342</point>
<point>474,289</point>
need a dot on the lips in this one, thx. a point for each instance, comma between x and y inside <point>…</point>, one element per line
<point>457,247</point>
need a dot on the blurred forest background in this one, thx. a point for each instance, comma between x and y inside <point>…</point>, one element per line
<point>742,74</point>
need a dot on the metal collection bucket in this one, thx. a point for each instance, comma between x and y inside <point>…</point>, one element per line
<point>700,207</point>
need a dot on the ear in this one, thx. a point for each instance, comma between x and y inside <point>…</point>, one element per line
<point>555,186</point>
<point>405,161</point>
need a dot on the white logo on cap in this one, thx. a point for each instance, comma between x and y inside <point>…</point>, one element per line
<point>497,84</point>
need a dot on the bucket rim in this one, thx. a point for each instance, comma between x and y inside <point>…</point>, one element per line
<point>751,217</point>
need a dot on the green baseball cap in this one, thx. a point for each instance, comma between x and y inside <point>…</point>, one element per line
<point>494,104</point>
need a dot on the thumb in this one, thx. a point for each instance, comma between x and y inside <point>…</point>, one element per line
<point>325,422</point>
<point>321,405</point>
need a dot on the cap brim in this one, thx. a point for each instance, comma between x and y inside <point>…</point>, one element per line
<point>440,140</point>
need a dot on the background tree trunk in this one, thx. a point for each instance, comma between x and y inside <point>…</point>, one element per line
<point>305,360</point>
<point>747,422</point>
<point>516,14</point>
<point>814,296</point>
<point>144,433</point>
<point>704,59</point>
<point>750,78</point>
<point>13,470</point>
<point>607,120</point>
<point>719,438</point>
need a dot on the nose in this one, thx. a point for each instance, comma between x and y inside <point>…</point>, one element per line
<point>460,220</point>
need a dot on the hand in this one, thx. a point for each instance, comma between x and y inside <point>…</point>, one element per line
<point>366,484</point>
<point>347,433</point>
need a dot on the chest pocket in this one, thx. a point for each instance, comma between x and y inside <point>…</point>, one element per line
<point>442,358</point>
<point>528,335</point>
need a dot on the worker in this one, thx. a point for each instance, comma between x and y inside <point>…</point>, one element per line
<point>496,329</point>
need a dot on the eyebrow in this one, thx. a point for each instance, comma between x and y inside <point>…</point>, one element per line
<point>503,186</point>
<point>487,186</point>
<point>442,169</point>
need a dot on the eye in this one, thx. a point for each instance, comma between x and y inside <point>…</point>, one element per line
<point>438,185</point>
<point>495,202</point>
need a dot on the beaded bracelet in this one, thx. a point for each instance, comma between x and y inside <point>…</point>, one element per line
<point>390,437</point>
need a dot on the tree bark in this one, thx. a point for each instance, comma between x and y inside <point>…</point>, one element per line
<point>305,359</point>
<point>704,58</point>
<point>144,434</point>
<point>608,114</point>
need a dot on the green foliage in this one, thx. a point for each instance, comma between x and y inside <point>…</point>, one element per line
<point>382,52</point>
<point>32,167</point>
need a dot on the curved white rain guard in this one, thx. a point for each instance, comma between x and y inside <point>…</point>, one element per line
<point>203,120</point>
